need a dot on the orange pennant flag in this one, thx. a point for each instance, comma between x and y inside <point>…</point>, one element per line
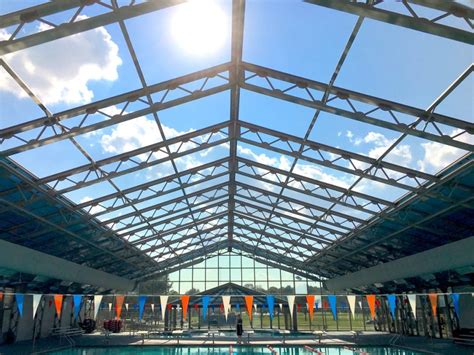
<point>1,296</point>
<point>118,305</point>
<point>249,305</point>
<point>310,302</point>
<point>371,302</point>
<point>434,302</point>
<point>58,302</point>
<point>185,303</point>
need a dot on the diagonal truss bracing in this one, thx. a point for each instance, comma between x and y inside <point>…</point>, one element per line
<point>280,215</point>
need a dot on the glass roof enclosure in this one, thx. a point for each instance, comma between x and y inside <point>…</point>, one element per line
<point>286,135</point>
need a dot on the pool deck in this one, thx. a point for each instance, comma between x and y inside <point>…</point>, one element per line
<point>346,339</point>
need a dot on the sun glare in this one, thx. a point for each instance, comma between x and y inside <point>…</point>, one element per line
<point>199,27</point>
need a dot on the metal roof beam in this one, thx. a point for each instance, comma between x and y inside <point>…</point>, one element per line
<point>412,22</point>
<point>428,119</point>
<point>69,28</point>
<point>236,75</point>
<point>94,116</point>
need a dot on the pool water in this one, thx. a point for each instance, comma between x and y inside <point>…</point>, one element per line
<point>287,350</point>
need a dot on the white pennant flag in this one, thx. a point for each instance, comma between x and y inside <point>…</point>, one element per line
<point>291,304</point>
<point>97,300</point>
<point>226,302</point>
<point>153,308</point>
<point>352,304</point>
<point>412,300</point>
<point>255,306</point>
<point>317,301</point>
<point>110,307</point>
<point>163,302</point>
<point>36,302</point>
<point>360,304</point>
<point>126,306</point>
<point>281,307</point>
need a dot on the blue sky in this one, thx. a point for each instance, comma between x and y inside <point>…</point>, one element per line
<point>385,61</point>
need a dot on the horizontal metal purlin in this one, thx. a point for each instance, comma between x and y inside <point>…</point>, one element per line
<point>206,232</point>
<point>321,184</point>
<point>295,81</point>
<point>341,153</point>
<point>163,180</point>
<point>179,239</point>
<point>179,226</point>
<point>112,121</point>
<point>160,194</point>
<point>279,223</point>
<point>395,18</point>
<point>283,215</point>
<point>165,203</point>
<point>68,29</point>
<point>273,236</point>
<point>290,201</point>
<point>146,149</point>
<point>38,11</point>
<point>221,236</point>
<point>129,96</point>
<point>173,214</point>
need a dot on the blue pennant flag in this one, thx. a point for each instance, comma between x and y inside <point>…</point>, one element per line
<point>455,298</point>
<point>237,306</point>
<point>77,304</point>
<point>392,303</point>
<point>205,306</point>
<point>141,306</point>
<point>271,305</point>
<point>332,304</point>
<point>20,299</point>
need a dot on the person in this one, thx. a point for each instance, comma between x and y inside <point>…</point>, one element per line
<point>240,329</point>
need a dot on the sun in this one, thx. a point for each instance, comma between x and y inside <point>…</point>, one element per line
<point>199,27</point>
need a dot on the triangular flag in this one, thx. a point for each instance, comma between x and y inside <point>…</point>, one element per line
<point>163,302</point>
<point>110,306</point>
<point>351,299</point>
<point>310,305</point>
<point>20,300</point>
<point>317,301</point>
<point>226,304</point>
<point>36,302</point>
<point>291,304</point>
<point>281,307</point>
<point>255,306</point>
<point>77,299</point>
<point>126,306</point>
<point>271,305</point>
<point>58,303</point>
<point>392,304</point>
<point>434,302</point>
<point>455,298</point>
<point>141,306</point>
<point>249,303</point>
<point>412,301</point>
<point>97,300</point>
<point>371,302</point>
<point>185,302</point>
<point>152,307</point>
<point>205,305</point>
<point>333,305</point>
<point>118,305</point>
<point>1,296</point>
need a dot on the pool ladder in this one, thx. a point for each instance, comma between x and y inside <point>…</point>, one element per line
<point>394,339</point>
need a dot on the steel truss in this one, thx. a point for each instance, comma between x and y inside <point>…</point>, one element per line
<point>299,222</point>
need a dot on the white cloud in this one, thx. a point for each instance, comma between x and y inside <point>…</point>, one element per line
<point>438,156</point>
<point>93,209</point>
<point>61,71</point>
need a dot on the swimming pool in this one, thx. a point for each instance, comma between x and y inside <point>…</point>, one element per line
<point>243,350</point>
